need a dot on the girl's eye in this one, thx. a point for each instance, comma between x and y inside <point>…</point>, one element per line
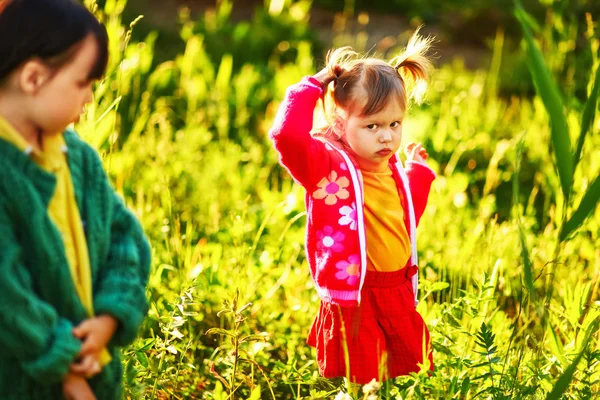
<point>395,124</point>
<point>372,127</point>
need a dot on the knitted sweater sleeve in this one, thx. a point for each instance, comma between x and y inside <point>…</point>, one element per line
<point>31,330</point>
<point>124,274</point>
<point>290,133</point>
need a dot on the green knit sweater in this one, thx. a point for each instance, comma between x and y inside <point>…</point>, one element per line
<point>39,305</point>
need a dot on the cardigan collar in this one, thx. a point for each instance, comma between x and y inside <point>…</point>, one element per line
<point>19,157</point>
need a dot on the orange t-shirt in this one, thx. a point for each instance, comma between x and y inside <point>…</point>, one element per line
<point>388,242</point>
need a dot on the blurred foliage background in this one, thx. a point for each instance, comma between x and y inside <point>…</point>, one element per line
<point>509,244</point>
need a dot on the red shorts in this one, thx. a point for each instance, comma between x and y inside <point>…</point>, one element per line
<point>385,336</point>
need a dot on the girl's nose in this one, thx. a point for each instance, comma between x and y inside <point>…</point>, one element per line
<point>385,136</point>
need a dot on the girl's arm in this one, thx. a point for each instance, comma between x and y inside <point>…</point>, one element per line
<point>420,177</point>
<point>290,133</point>
<point>121,288</point>
<point>30,329</point>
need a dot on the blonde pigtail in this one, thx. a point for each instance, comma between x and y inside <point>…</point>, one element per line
<point>338,61</point>
<point>414,65</point>
<point>338,58</point>
<point>325,115</point>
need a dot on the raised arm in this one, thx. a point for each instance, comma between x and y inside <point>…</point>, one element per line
<point>290,133</point>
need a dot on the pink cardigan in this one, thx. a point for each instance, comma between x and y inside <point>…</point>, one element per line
<point>335,229</point>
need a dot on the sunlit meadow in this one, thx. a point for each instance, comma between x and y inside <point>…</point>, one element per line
<point>509,244</point>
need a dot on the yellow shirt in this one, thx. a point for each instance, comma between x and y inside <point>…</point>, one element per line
<point>388,242</point>
<point>62,209</point>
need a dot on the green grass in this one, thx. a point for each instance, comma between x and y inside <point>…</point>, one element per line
<point>185,142</point>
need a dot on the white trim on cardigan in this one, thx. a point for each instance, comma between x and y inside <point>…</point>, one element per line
<point>413,228</point>
<point>360,202</point>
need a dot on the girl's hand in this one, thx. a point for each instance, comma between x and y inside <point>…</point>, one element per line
<point>416,152</point>
<point>87,366</point>
<point>77,388</point>
<point>95,332</point>
<point>323,76</point>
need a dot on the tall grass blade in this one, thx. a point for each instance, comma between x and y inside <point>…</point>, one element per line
<point>527,269</point>
<point>565,379</point>
<point>586,207</point>
<point>548,92</point>
<point>588,116</point>
<point>527,266</point>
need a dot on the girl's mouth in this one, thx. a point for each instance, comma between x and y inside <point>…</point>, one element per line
<point>384,152</point>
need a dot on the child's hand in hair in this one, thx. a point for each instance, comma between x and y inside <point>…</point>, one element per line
<point>416,152</point>
<point>76,387</point>
<point>323,76</point>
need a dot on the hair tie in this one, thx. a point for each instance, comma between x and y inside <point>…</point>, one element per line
<point>400,65</point>
<point>397,68</point>
<point>336,71</point>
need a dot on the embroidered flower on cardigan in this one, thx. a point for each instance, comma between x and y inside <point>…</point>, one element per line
<point>349,270</point>
<point>348,216</point>
<point>332,188</point>
<point>329,240</point>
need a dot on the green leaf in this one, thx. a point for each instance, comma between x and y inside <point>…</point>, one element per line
<point>466,384</point>
<point>588,116</point>
<point>255,395</point>
<point>219,331</point>
<point>223,80</point>
<point>565,379</point>
<point>530,21</point>
<point>555,344</point>
<point>547,89</point>
<point>218,393</point>
<point>142,358</point>
<point>586,207</point>
<point>439,286</point>
<point>244,308</point>
<point>147,344</point>
<point>527,269</point>
<point>253,338</point>
<point>131,372</point>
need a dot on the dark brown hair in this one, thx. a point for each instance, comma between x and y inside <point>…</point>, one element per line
<point>49,30</point>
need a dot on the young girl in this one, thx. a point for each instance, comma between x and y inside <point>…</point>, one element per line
<point>74,261</point>
<point>362,211</point>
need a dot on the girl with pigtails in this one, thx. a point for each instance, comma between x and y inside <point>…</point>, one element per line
<point>363,208</point>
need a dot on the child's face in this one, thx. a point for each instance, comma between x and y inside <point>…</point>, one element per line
<point>375,138</point>
<point>60,101</point>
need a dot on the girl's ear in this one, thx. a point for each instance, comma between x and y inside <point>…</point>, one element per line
<point>339,126</point>
<point>32,76</point>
